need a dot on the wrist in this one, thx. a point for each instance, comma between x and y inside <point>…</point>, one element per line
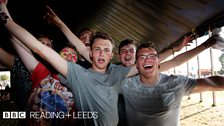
<point>207,44</point>
<point>3,18</point>
<point>173,50</point>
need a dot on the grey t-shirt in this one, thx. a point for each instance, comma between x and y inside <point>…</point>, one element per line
<point>157,105</point>
<point>96,93</point>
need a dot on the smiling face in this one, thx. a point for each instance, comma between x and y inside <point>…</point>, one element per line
<point>101,53</point>
<point>85,37</point>
<point>127,54</point>
<point>147,63</point>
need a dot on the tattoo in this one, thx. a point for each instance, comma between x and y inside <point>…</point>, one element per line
<point>3,18</point>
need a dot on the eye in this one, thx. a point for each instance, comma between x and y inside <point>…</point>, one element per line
<point>123,51</point>
<point>153,56</point>
<point>107,50</point>
<point>132,51</point>
<point>142,57</point>
<point>96,49</point>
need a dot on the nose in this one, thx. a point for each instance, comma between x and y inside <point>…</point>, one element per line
<point>128,52</point>
<point>101,52</point>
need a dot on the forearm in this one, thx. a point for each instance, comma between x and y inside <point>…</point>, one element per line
<point>185,42</point>
<point>216,81</point>
<point>25,54</point>
<point>213,83</point>
<point>22,35</point>
<point>182,58</point>
<point>72,38</point>
<point>165,54</point>
<point>32,43</point>
<point>75,41</point>
<point>5,10</point>
<point>133,71</point>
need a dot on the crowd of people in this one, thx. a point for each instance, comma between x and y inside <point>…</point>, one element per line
<point>81,78</point>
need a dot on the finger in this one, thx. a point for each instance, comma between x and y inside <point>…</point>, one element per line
<point>190,42</point>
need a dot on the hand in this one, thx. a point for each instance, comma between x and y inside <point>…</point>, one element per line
<point>51,17</point>
<point>185,42</point>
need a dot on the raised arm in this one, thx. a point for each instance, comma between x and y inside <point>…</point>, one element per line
<point>25,54</point>
<point>36,46</point>
<point>184,57</point>
<point>72,38</point>
<point>167,53</point>
<point>213,83</point>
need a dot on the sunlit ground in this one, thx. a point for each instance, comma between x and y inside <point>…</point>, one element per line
<point>196,113</point>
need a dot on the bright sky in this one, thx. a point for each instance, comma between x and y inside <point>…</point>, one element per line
<point>204,57</point>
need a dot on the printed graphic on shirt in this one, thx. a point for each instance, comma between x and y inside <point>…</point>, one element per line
<point>51,96</point>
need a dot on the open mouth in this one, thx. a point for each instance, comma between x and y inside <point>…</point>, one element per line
<point>127,58</point>
<point>148,67</point>
<point>101,61</point>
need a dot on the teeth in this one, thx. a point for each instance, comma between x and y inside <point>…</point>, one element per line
<point>148,66</point>
<point>127,59</point>
<point>101,60</point>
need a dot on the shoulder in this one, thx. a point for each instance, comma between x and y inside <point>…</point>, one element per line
<point>180,79</point>
<point>132,79</point>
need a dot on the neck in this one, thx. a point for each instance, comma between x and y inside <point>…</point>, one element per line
<point>94,68</point>
<point>151,81</point>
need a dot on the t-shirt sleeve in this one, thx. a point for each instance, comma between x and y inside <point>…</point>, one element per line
<point>120,73</point>
<point>38,74</point>
<point>188,84</point>
<point>74,71</point>
<point>121,84</point>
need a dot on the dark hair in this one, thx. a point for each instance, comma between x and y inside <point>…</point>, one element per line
<point>45,36</point>
<point>101,35</point>
<point>126,42</point>
<point>85,29</point>
<point>147,45</point>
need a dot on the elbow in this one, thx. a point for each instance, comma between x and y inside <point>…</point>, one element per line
<point>39,52</point>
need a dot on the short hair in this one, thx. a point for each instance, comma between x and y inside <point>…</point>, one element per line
<point>45,36</point>
<point>126,42</point>
<point>101,35</point>
<point>85,29</point>
<point>147,45</point>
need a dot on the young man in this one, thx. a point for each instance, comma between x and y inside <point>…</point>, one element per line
<point>153,98</point>
<point>85,35</point>
<point>95,89</point>
<point>127,50</point>
<point>127,53</point>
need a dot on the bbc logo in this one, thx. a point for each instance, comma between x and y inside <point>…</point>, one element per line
<point>14,115</point>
